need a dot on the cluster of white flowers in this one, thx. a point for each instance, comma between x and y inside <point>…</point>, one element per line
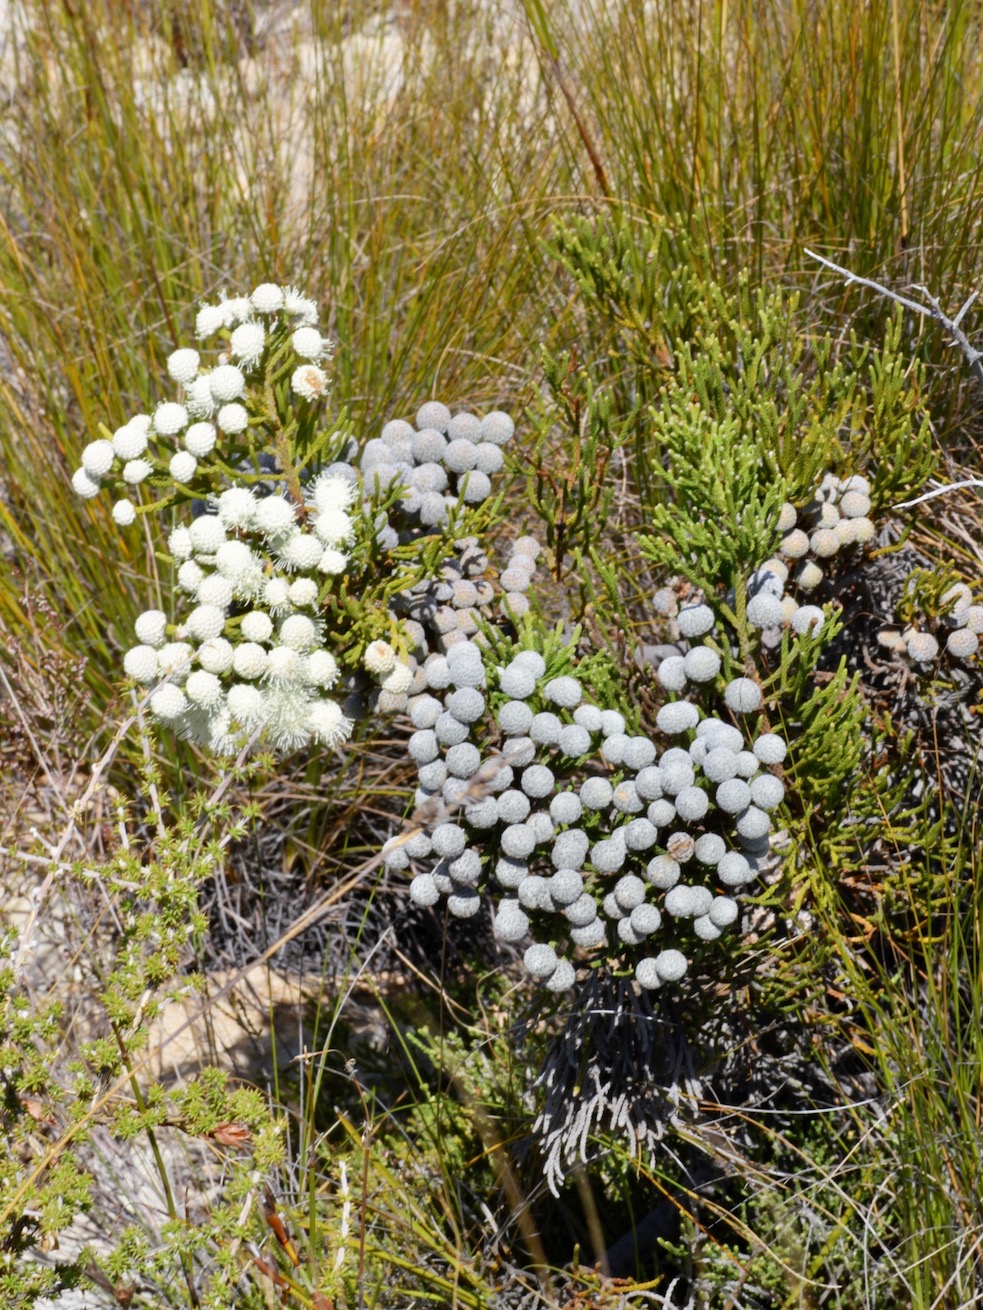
<point>585,837</point>
<point>956,634</point>
<point>259,560</point>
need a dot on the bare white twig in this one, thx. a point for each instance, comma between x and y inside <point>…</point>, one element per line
<point>933,310</point>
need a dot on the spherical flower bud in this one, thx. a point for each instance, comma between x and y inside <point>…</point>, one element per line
<point>190,576</point>
<point>170,418</point>
<point>709,848</point>
<point>333,493</point>
<point>733,869</point>
<point>808,619</point>
<point>767,791</point>
<point>670,965</point>
<point>692,804</point>
<point>84,485</point>
<point>207,534</point>
<point>182,365</point>
<point>134,472</point>
<point>140,664</point>
<point>973,620</point>
<point>962,643</point>
<point>150,628</point>
<point>865,531</point>
<point>124,513</point>
<point>787,517</point>
<point>695,620</point>
<point>203,689</point>
<point>677,716</point>
<point>496,427</point>
<point>309,382</point>
<point>742,695</point>
<point>475,488</point>
<point>922,647</point>
<point>267,298</point>
<point>701,664</point>
<point>232,419</point>
<point>733,796</point>
<point>98,458</point>
<point>671,673</point>
<point>764,610</point>
<point>540,960</point>
<point>564,691</point>
<point>753,823</point>
<point>275,516</point>
<point>198,398</point>
<point>183,466</point>
<point>168,703</point>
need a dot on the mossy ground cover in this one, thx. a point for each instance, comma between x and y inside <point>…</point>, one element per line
<point>594,217</point>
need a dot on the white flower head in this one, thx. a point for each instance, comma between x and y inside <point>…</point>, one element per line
<point>179,543</point>
<point>299,306</point>
<point>199,400</point>
<point>309,382</point>
<point>298,632</point>
<point>204,689</point>
<point>379,657</point>
<point>245,703</point>
<point>85,486</point>
<point>173,660</point>
<point>322,669</point>
<point>235,309</point>
<point>209,320</point>
<point>182,365</point>
<point>284,665</point>
<point>308,343</point>
<point>299,550</point>
<point>226,383</point>
<point>333,527</point>
<point>247,344</point>
<point>303,592</point>
<point>151,628</point>
<point>189,576</point>
<point>328,726</point>
<point>206,621</point>
<point>237,508</point>
<point>215,655</point>
<point>233,419</point>
<point>98,458</point>
<point>267,298</point>
<point>214,590</point>
<point>233,559</point>
<point>135,471</point>
<point>129,441</point>
<point>170,418</point>
<point>276,594</point>
<point>183,466</point>
<point>168,703</point>
<point>332,562</point>
<point>124,513</point>
<point>397,680</point>
<point>331,492</point>
<point>200,439</point>
<point>256,626</point>
<point>207,534</point>
<point>275,516</point>
<point>140,664</point>
<point>249,660</point>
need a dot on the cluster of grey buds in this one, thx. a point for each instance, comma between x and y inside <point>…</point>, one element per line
<point>592,841</point>
<point>836,517</point>
<point>958,631</point>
